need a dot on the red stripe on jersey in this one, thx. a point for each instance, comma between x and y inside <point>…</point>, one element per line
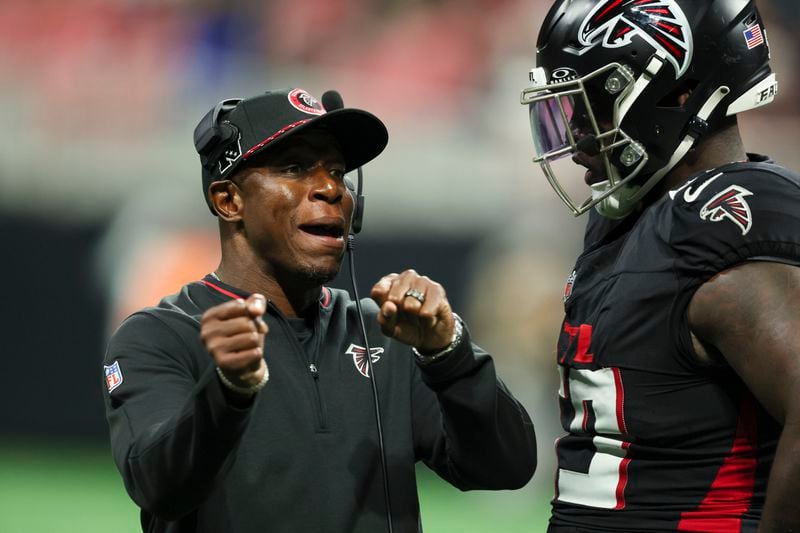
<point>221,290</point>
<point>732,490</point>
<point>623,428</point>
<point>623,478</point>
<point>585,423</point>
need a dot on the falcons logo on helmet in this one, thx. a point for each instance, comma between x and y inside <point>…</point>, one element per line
<point>730,204</point>
<point>662,24</point>
<point>359,359</point>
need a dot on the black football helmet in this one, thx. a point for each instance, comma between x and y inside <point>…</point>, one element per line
<point>608,77</point>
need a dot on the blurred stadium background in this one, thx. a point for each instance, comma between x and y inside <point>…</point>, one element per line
<point>101,212</point>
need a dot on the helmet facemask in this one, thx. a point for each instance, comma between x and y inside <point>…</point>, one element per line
<point>585,114</point>
<point>635,62</point>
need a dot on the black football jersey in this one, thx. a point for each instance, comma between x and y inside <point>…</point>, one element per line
<point>657,440</point>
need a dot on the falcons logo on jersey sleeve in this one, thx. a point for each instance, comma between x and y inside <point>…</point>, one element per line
<point>359,359</point>
<point>730,204</point>
<point>615,23</point>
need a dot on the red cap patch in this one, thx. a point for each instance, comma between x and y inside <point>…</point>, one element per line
<point>302,101</point>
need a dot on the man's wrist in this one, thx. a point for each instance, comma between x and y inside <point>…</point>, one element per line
<point>243,391</point>
<point>458,335</point>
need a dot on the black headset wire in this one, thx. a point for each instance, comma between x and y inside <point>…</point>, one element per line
<point>368,355</point>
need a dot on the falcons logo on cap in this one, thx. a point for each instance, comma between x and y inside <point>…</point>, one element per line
<point>359,359</point>
<point>662,24</point>
<point>730,204</point>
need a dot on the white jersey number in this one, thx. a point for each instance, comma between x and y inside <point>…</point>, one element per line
<point>598,400</point>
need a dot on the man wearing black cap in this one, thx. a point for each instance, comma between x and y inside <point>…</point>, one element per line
<point>244,402</point>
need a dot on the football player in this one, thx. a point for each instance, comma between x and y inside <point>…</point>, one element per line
<point>680,349</point>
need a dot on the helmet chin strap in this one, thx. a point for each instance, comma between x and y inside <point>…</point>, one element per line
<point>616,205</point>
<point>654,66</point>
<point>620,203</point>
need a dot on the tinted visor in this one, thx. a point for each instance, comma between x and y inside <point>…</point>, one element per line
<point>551,119</point>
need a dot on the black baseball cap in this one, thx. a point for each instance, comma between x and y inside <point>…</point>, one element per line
<point>237,130</point>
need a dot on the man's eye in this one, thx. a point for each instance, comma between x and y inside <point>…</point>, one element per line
<point>337,173</point>
<point>292,169</point>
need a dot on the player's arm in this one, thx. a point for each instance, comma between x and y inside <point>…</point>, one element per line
<point>467,425</point>
<point>750,314</point>
<point>171,433</point>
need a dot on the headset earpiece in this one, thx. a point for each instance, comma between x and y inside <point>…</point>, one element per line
<point>227,133</point>
<point>358,202</point>
<point>211,137</point>
<point>358,213</point>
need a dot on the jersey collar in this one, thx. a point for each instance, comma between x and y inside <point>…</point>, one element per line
<point>222,289</point>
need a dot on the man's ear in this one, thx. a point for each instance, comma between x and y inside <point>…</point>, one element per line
<point>227,200</point>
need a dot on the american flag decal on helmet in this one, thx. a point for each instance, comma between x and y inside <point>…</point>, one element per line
<point>730,204</point>
<point>359,359</point>
<point>615,23</point>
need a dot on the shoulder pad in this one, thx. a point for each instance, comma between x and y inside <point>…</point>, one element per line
<point>740,212</point>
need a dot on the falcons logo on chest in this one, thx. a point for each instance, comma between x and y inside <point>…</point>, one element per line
<point>730,204</point>
<point>615,23</point>
<point>360,359</point>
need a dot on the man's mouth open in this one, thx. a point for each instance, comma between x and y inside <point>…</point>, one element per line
<point>327,230</point>
<point>595,172</point>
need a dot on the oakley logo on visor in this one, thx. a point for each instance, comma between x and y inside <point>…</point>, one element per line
<point>563,75</point>
<point>614,23</point>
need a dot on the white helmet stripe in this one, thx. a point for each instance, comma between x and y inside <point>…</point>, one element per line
<point>653,68</point>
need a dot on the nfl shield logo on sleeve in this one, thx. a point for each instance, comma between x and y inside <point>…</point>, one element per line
<point>570,285</point>
<point>113,376</point>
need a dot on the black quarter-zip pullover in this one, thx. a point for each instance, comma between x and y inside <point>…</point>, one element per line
<point>304,456</point>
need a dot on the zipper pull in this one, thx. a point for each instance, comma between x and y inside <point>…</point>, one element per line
<point>313,369</point>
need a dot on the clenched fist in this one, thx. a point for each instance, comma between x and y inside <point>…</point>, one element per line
<point>415,311</point>
<point>233,333</point>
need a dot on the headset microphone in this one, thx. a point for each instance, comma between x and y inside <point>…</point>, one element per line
<point>331,101</point>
